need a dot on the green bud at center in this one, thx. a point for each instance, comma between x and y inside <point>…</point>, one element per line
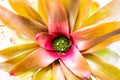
<point>61,44</point>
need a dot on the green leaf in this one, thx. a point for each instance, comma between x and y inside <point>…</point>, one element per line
<point>109,56</point>
<point>101,69</point>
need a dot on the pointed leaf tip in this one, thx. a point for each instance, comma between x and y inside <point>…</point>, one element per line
<point>76,63</point>
<point>12,73</point>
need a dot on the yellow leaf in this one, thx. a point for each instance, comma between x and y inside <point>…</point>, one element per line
<point>23,8</point>
<point>84,6</point>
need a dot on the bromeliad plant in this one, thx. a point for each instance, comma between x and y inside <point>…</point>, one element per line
<point>69,40</point>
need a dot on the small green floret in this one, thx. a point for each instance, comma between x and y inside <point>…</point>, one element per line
<point>61,44</point>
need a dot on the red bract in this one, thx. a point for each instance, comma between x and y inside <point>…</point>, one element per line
<point>59,26</point>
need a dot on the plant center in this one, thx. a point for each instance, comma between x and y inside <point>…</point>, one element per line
<point>61,44</point>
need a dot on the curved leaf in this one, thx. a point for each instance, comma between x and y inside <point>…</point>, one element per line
<point>76,63</point>
<point>23,26</point>
<point>42,9</point>
<point>14,50</point>
<point>26,76</point>
<point>84,6</point>
<point>12,61</point>
<point>103,44</point>
<point>45,40</point>
<point>57,71</point>
<point>43,74</point>
<point>57,18</point>
<point>109,56</point>
<point>90,36</point>
<point>15,59</point>
<point>101,69</point>
<point>93,8</point>
<point>108,13</point>
<point>71,7</point>
<point>25,10</point>
<point>39,58</point>
<point>68,74</point>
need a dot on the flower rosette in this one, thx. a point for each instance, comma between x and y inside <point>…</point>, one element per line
<point>65,40</point>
